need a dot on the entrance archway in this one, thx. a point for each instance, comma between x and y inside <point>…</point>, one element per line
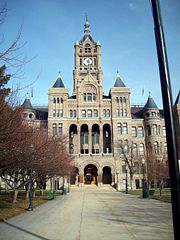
<point>107,176</point>
<point>90,174</point>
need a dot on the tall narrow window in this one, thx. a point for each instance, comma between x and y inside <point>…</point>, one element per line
<point>164,131</point>
<point>54,113</point>
<point>57,113</point>
<point>61,100</point>
<point>57,100</point>
<point>154,129</point>
<point>74,113</point>
<point>54,100</point>
<point>71,113</point>
<point>61,113</point>
<point>60,129</point>
<point>125,128</point>
<point>140,132</point>
<point>95,113</point>
<point>134,132</point>
<point>54,129</point>
<point>141,149</point>
<point>83,113</point>
<point>119,128</point>
<point>89,113</point>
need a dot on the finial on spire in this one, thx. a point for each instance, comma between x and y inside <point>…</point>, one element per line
<point>149,94</point>
<point>87,26</point>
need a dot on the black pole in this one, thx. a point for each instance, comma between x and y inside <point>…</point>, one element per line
<point>126,181</point>
<point>168,114</point>
<point>30,208</point>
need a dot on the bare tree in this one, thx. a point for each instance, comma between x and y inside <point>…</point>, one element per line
<point>128,153</point>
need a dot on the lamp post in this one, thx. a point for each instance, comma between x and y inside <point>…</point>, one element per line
<point>143,180</point>
<point>126,179</point>
<point>30,208</point>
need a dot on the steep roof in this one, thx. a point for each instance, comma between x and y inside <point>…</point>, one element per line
<point>118,81</point>
<point>150,104</point>
<point>59,82</point>
<point>27,104</point>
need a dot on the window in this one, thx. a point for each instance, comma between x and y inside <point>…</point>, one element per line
<point>57,100</point>
<point>61,113</point>
<point>117,112</point>
<point>117,99</point>
<point>54,129</point>
<point>134,132</point>
<point>95,138</point>
<point>71,113</point>
<point>125,112</point>
<point>140,132</point>
<point>83,113</point>
<point>54,100</point>
<point>134,149</point>
<point>89,113</point>
<point>89,96</point>
<point>104,113</point>
<point>156,147</point>
<point>119,129</point>
<point>95,50</point>
<point>125,128</point>
<point>60,129</point>
<point>94,61</point>
<point>95,113</point>
<point>124,99</point>
<point>80,50</point>
<point>148,130</point>
<point>154,129</point>
<point>74,113</point>
<point>120,99</point>
<point>71,148</point>
<point>126,147</point>
<point>94,97</point>
<point>54,113</point>
<point>165,148</point>
<point>87,50</point>
<point>164,131</point>
<point>108,113</point>
<point>80,61</point>
<point>141,149</point>
<point>84,138</point>
<point>61,100</point>
<point>57,113</point>
<point>120,112</point>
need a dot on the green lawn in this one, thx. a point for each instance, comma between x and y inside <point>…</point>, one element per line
<point>165,195</point>
<point>8,209</point>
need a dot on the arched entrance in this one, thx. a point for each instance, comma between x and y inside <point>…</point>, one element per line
<point>90,174</point>
<point>107,176</point>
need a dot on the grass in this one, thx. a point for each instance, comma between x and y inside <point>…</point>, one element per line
<point>165,196</point>
<point>9,209</point>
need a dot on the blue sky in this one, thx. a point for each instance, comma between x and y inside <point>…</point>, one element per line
<point>123,27</point>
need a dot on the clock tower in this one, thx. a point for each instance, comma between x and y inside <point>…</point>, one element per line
<point>87,72</point>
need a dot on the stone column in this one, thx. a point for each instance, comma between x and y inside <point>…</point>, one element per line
<point>78,140</point>
<point>101,141</point>
<point>113,178</point>
<point>90,140</point>
<point>99,178</point>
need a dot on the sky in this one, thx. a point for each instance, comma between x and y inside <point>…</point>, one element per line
<point>124,28</point>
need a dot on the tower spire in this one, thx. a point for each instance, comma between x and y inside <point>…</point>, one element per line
<point>87,27</point>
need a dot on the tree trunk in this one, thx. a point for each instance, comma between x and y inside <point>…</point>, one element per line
<point>34,193</point>
<point>15,196</point>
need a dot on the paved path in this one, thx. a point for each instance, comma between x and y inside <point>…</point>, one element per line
<point>92,213</point>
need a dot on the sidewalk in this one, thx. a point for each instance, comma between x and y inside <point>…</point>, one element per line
<point>92,213</point>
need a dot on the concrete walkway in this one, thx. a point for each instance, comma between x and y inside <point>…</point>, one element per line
<point>92,213</point>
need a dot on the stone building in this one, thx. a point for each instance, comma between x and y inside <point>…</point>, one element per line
<point>102,130</point>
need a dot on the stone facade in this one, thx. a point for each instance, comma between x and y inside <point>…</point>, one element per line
<point>100,127</point>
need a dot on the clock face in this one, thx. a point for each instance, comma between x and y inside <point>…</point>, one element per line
<point>87,61</point>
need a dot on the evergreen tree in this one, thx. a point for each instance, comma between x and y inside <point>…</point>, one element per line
<point>4,78</point>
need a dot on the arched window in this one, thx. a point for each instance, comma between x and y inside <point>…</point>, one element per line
<point>57,100</point>
<point>141,149</point>
<point>83,113</point>
<point>74,113</point>
<point>104,113</point>
<point>54,100</point>
<point>134,132</point>
<point>108,113</point>
<point>54,113</point>
<point>125,128</point>
<point>156,147</point>
<point>95,113</point>
<point>60,129</point>
<point>124,99</point>
<point>120,99</point>
<point>154,129</point>
<point>61,100</point>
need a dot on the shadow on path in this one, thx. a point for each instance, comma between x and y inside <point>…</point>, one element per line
<point>26,231</point>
